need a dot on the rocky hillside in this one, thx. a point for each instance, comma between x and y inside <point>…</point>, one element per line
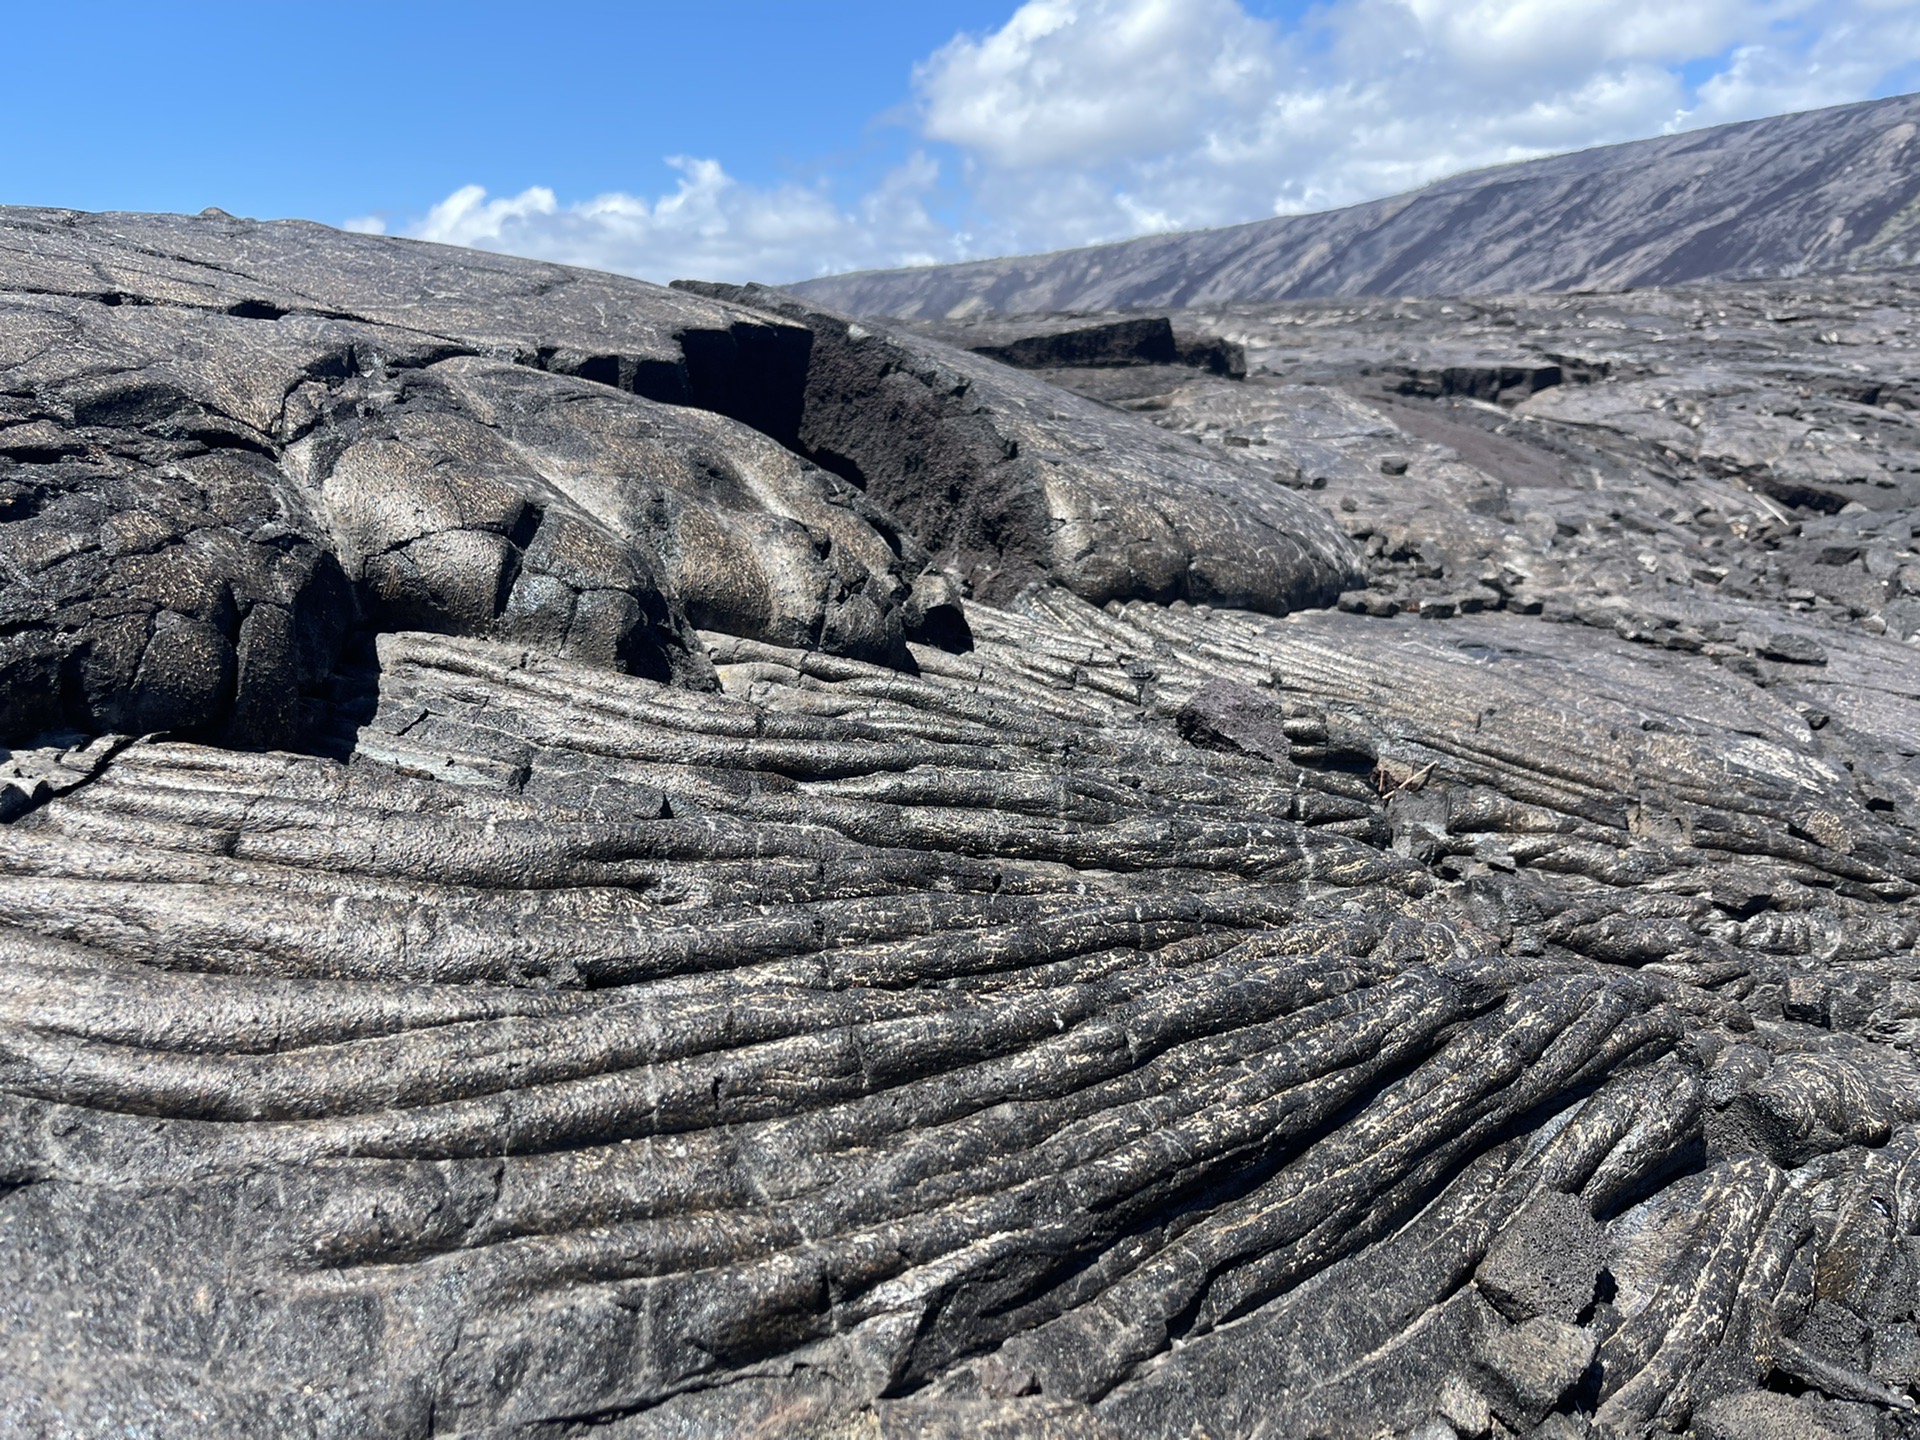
<point>1825,190</point>
<point>578,858</point>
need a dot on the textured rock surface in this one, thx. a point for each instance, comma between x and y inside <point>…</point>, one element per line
<point>1477,1009</point>
<point>1828,189</point>
<point>227,445</point>
<point>1010,482</point>
<point>1040,343</point>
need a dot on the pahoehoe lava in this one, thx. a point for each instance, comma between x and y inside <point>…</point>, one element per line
<point>581,857</point>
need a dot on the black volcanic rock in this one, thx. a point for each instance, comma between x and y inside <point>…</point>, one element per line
<point>1824,190</point>
<point>1008,481</point>
<point>229,444</point>
<point>509,926</point>
<point>1144,341</point>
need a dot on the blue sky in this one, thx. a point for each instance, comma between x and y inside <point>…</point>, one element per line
<point>737,137</point>
<point>327,111</point>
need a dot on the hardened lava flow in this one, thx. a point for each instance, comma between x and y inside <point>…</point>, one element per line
<point>581,857</point>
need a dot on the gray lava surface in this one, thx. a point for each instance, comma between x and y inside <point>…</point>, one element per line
<point>578,857</point>
<point>1831,189</point>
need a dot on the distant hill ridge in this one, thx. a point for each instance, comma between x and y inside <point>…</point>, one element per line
<point>1821,190</point>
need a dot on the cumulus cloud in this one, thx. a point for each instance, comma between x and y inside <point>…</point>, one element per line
<point>710,225</point>
<point>1848,56</point>
<point>1369,97</point>
<point>1079,121</point>
<point>1078,83</point>
<point>1555,37</point>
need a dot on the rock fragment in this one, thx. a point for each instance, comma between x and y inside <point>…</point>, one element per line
<point>1546,1261</point>
<point>1762,1415</point>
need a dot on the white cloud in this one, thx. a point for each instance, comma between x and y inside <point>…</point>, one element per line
<point>1080,82</point>
<point>1551,37</point>
<point>710,226</point>
<point>1846,59</point>
<point>1086,120</point>
<point>1369,98</point>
